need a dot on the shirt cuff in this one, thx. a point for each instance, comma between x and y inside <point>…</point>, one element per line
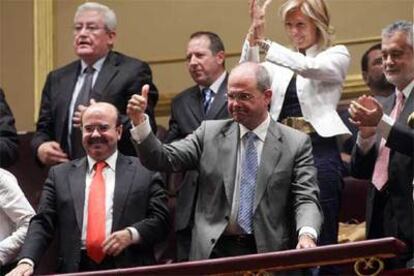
<point>385,125</point>
<point>26,261</point>
<point>365,144</point>
<point>308,231</point>
<point>141,131</point>
<point>134,234</point>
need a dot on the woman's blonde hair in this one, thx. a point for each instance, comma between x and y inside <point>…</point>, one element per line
<point>318,12</point>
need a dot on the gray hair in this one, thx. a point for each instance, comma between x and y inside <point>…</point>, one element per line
<point>262,78</point>
<point>403,26</point>
<point>108,14</point>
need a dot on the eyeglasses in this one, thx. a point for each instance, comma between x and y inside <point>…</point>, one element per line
<point>243,97</point>
<point>88,29</point>
<point>99,128</point>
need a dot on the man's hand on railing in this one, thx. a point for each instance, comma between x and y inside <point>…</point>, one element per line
<point>305,241</point>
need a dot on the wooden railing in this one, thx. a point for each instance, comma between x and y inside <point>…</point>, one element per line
<point>363,254</point>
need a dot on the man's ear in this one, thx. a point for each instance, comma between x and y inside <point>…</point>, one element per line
<point>220,57</point>
<point>119,131</point>
<point>365,77</point>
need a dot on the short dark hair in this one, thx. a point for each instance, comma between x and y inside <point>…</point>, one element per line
<point>364,59</point>
<point>216,44</point>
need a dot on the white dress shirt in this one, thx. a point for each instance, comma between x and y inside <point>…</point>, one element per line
<point>109,173</point>
<point>15,215</point>
<point>319,80</point>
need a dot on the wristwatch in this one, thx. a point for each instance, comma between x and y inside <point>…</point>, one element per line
<point>264,44</point>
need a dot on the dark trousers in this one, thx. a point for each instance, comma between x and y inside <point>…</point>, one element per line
<point>329,166</point>
<point>234,245</point>
<point>86,264</point>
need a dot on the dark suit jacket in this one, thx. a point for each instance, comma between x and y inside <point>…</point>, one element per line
<point>396,201</point>
<point>8,137</point>
<point>121,77</point>
<point>139,201</point>
<point>187,113</point>
<point>286,196</point>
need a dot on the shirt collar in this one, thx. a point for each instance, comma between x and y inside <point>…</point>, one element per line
<point>215,86</point>
<point>260,131</point>
<point>97,65</point>
<point>110,161</point>
<point>407,90</point>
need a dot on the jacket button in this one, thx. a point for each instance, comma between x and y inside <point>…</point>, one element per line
<point>213,241</point>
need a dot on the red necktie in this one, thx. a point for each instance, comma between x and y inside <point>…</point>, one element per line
<point>95,231</point>
<point>380,175</point>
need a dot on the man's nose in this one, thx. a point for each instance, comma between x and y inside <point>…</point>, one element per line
<point>95,133</point>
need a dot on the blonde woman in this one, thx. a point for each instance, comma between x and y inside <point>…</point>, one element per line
<point>307,84</point>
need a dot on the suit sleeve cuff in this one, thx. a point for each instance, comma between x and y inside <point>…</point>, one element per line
<point>134,234</point>
<point>141,131</point>
<point>310,231</point>
<point>26,261</point>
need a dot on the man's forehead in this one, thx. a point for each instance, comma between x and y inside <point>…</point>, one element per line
<point>89,16</point>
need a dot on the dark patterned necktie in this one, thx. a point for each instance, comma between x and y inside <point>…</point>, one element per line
<point>84,95</point>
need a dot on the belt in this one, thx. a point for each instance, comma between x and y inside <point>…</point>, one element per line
<point>299,123</point>
<point>242,239</point>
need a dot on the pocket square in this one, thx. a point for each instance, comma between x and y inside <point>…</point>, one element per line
<point>410,120</point>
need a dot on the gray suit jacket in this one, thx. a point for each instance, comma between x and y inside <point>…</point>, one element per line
<point>139,201</point>
<point>286,197</point>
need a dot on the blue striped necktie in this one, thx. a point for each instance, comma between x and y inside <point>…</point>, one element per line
<point>207,97</point>
<point>249,169</point>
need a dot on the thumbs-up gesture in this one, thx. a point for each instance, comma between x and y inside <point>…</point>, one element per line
<point>137,106</point>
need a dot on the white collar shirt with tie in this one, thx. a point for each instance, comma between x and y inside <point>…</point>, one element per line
<point>79,83</point>
<point>109,177</point>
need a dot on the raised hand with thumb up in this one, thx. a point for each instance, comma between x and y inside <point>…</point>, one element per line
<point>137,106</point>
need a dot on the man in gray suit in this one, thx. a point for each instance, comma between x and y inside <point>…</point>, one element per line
<point>205,63</point>
<point>256,194</point>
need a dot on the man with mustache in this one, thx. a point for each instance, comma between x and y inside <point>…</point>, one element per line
<point>385,145</point>
<point>100,74</point>
<point>106,210</point>
<point>207,100</point>
<point>257,187</point>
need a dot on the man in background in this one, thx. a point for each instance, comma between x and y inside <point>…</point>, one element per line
<point>384,152</point>
<point>9,143</point>
<point>100,74</point>
<point>206,100</point>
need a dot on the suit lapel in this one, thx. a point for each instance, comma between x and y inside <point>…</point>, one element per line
<point>228,151</point>
<point>77,187</point>
<point>271,153</point>
<point>66,87</point>
<point>108,72</point>
<point>123,180</point>
<point>408,108</point>
<point>220,101</point>
<point>195,104</point>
